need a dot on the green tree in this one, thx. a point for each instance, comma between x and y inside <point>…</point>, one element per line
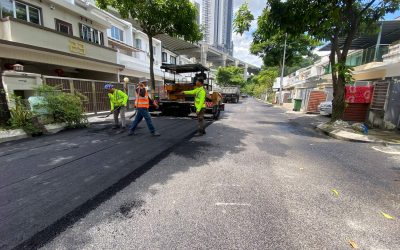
<point>231,75</point>
<point>176,18</point>
<point>269,46</point>
<point>328,20</point>
<point>262,82</point>
<point>243,19</point>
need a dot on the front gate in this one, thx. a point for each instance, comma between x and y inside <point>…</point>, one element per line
<point>94,96</point>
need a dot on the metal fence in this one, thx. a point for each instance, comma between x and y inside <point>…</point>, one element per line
<point>94,96</point>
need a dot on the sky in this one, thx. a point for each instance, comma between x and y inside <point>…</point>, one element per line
<point>242,43</point>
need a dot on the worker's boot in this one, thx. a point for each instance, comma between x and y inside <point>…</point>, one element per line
<point>131,133</point>
<point>155,134</point>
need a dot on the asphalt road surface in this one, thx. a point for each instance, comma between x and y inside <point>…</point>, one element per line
<point>46,183</point>
<point>259,179</point>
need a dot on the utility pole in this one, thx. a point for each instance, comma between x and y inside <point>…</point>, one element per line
<point>283,69</point>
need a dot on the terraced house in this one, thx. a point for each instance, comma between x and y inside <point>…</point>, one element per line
<point>57,42</point>
<point>376,63</point>
<point>78,47</point>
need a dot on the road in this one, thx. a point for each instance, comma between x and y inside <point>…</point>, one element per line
<point>48,182</point>
<point>260,179</point>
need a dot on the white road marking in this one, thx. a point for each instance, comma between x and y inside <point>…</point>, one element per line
<point>232,204</point>
<point>226,185</point>
<point>390,151</point>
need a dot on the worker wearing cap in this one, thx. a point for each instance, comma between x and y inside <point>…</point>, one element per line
<point>199,103</point>
<point>142,104</point>
<point>118,102</point>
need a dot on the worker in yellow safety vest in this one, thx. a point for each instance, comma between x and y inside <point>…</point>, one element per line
<point>199,102</point>
<point>118,102</point>
<point>142,104</point>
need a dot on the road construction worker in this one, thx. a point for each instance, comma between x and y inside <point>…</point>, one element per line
<point>199,103</point>
<point>118,102</point>
<point>142,104</point>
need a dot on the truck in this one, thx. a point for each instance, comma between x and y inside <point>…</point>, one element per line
<point>230,94</point>
<point>172,102</point>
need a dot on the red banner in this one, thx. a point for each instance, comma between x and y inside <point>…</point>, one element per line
<point>359,94</point>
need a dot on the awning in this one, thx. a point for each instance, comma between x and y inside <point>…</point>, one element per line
<point>390,34</point>
<point>177,45</point>
<point>184,68</point>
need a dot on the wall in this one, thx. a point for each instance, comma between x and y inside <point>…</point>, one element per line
<point>65,11</point>
<point>145,47</point>
<point>34,35</point>
<point>392,112</point>
<point>19,81</point>
<point>169,54</point>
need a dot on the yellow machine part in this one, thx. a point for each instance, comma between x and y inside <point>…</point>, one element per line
<point>174,91</point>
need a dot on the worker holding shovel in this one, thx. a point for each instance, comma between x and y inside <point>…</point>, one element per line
<point>118,102</point>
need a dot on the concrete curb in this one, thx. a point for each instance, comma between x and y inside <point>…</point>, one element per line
<point>12,135</point>
<point>348,136</point>
<point>55,128</point>
<point>17,134</point>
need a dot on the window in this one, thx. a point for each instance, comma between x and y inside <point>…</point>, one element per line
<point>34,15</point>
<point>117,34</point>
<point>138,43</point>
<point>63,27</point>
<point>154,51</point>
<point>9,8</point>
<point>172,59</point>
<point>6,8</point>
<point>91,35</point>
<point>164,57</point>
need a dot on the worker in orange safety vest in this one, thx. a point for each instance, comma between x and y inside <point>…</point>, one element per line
<point>142,104</point>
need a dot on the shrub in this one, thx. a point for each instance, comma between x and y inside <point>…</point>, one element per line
<point>22,117</point>
<point>64,107</point>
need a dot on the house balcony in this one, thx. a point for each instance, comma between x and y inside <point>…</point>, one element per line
<point>31,42</point>
<point>393,55</point>
<point>138,65</point>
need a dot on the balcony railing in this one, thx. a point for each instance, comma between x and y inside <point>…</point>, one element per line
<point>22,32</point>
<point>394,53</point>
<point>362,57</point>
<point>139,63</point>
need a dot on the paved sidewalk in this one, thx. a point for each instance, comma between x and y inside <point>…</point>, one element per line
<point>373,136</point>
<point>17,134</point>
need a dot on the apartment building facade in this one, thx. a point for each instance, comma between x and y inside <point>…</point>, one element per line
<point>217,18</point>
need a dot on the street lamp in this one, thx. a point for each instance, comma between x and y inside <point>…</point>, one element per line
<point>283,69</point>
<point>126,80</point>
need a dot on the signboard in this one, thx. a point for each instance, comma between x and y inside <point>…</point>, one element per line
<point>77,47</point>
<point>358,94</point>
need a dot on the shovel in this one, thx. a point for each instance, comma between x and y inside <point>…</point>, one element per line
<point>109,113</point>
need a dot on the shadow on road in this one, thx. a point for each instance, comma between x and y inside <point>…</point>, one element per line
<point>189,154</point>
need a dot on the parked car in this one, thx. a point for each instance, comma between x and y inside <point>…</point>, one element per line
<point>325,108</point>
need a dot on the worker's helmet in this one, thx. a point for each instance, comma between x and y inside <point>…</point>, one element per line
<point>108,86</point>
